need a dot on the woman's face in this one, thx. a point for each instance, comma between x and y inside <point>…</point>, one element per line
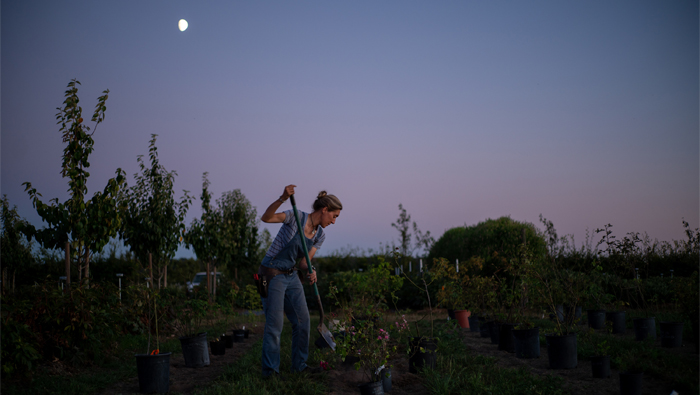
<point>328,217</point>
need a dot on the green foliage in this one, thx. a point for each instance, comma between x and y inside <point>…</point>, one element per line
<point>15,249</point>
<point>365,293</point>
<point>153,220</point>
<point>87,225</point>
<point>43,320</point>
<point>456,288</point>
<point>226,233</point>
<point>495,241</point>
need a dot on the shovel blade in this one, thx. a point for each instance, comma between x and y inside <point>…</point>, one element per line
<point>326,335</point>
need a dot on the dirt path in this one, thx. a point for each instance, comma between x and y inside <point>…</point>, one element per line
<point>580,380</point>
<point>184,380</point>
<point>344,379</point>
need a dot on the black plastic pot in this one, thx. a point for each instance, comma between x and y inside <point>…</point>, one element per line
<point>195,350</point>
<point>645,328</point>
<point>596,319</point>
<point>451,313</point>
<point>600,366</point>
<point>228,340</point>
<point>562,352</point>
<point>246,333</point>
<point>631,383</point>
<point>671,334</point>
<point>527,343</point>
<point>494,331</point>
<point>423,353</point>
<point>473,324</point>
<point>154,373</point>
<point>238,335</point>
<point>218,348</point>
<point>371,388</point>
<point>617,318</point>
<point>483,328</point>
<point>385,378</point>
<point>506,341</point>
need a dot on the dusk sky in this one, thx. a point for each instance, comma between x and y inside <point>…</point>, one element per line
<point>583,111</point>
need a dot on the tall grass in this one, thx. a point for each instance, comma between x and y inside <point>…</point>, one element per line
<point>459,371</point>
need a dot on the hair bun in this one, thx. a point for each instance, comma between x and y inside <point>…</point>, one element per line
<point>321,194</point>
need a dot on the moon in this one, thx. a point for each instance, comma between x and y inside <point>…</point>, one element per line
<point>182,25</point>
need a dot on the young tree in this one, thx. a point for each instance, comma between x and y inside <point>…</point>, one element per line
<point>204,235</point>
<point>86,225</point>
<point>226,234</point>
<point>403,225</point>
<point>15,249</point>
<point>239,224</point>
<point>153,220</point>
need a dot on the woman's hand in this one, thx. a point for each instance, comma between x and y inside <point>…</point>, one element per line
<point>310,276</point>
<point>288,191</point>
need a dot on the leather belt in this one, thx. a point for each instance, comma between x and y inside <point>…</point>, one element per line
<point>270,272</point>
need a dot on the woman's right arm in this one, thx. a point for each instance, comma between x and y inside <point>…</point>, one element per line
<point>271,216</point>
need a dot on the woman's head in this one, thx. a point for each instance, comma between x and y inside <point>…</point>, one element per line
<point>329,206</point>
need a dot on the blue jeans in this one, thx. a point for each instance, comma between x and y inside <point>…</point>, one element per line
<point>285,296</point>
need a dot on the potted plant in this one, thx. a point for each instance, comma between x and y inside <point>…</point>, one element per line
<point>552,283</point>
<point>153,367</point>
<point>369,344</point>
<point>194,343</point>
<point>456,287</point>
<point>600,363</point>
<point>422,349</point>
<point>595,297</point>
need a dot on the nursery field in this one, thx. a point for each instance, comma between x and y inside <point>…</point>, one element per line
<point>465,363</point>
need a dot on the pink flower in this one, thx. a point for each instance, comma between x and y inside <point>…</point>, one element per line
<point>324,365</point>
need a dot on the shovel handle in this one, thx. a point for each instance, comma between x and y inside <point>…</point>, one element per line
<point>303,246</point>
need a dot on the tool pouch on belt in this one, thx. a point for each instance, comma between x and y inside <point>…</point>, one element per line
<point>262,282</point>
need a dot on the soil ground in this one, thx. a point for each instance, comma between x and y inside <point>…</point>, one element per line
<point>344,379</point>
<point>184,380</point>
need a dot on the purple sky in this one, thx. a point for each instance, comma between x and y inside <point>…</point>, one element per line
<point>585,112</point>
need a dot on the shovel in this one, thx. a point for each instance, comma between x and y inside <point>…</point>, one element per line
<point>326,335</point>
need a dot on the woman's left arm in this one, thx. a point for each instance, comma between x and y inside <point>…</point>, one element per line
<point>304,266</point>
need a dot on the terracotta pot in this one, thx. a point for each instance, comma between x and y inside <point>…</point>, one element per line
<point>462,317</point>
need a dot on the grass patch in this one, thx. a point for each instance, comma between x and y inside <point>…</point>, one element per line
<point>245,376</point>
<point>459,371</point>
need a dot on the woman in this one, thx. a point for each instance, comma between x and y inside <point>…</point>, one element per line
<point>285,294</point>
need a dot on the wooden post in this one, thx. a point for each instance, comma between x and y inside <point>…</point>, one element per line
<point>150,268</point>
<point>67,265</point>
<point>165,281</point>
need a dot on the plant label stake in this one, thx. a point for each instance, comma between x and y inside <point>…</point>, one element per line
<point>322,329</point>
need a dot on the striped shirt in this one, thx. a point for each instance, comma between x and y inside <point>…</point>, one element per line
<point>289,230</point>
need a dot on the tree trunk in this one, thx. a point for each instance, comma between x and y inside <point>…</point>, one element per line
<point>67,265</point>
<point>150,268</point>
<point>87,268</point>
<point>208,283</point>
<point>165,281</point>
<point>214,285</point>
